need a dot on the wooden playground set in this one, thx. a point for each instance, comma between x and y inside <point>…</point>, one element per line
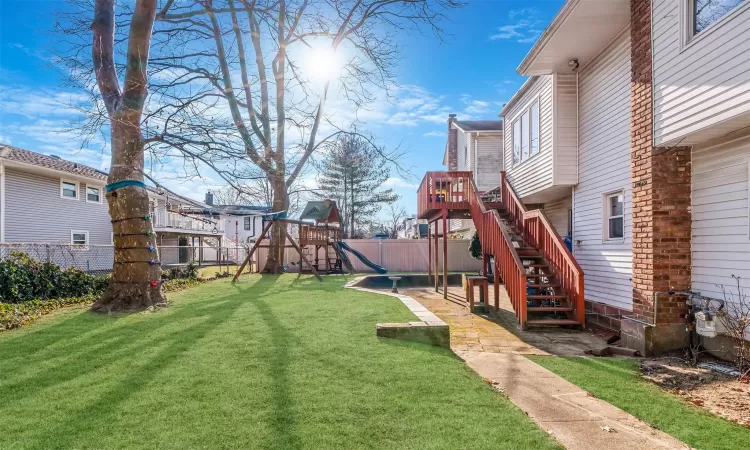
<point>320,247</point>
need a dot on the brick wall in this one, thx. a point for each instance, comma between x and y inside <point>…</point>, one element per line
<point>661,193</point>
<point>452,144</point>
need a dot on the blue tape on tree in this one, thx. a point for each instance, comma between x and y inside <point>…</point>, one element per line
<point>124,183</point>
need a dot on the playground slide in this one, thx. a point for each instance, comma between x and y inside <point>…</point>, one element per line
<point>365,261</point>
<point>342,256</point>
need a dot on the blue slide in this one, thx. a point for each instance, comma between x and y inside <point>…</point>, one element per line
<point>365,261</point>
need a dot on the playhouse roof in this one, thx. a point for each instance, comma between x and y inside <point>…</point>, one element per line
<point>321,211</point>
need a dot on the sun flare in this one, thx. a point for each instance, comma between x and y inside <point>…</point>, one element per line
<point>322,64</point>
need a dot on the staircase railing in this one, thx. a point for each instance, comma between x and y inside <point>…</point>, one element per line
<point>496,240</point>
<point>538,232</point>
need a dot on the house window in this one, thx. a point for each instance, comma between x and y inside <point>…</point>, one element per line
<point>68,189</point>
<point>249,223</point>
<point>79,238</point>
<point>615,216</point>
<point>517,141</point>
<point>526,133</point>
<point>704,13</point>
<point>93,194</point>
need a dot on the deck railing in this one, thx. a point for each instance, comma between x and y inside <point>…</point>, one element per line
<point>538,232</point>
<point>440,190</point>
<point>495,239</point>
<point>318,234</point>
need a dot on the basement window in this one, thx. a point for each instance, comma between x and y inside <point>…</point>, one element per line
<point>79,238</point>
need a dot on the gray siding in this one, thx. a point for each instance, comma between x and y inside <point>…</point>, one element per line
<point>489,150</point>
<point>36,212</point>
<point>565,152</point>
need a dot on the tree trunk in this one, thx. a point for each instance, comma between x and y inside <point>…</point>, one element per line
<point>275,261</point>
<point>136,276</point>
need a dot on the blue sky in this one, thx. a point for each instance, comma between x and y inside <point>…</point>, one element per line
<point>472,73</point>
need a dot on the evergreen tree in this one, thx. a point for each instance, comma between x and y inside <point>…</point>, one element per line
<point>352,173</point>
<point>475,247</point>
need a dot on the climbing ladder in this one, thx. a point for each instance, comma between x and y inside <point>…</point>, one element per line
<point>542,279</point>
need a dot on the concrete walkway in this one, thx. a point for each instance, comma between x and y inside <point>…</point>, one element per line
<point>573,417</point>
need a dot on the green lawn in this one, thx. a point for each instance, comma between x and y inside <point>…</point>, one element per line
<point>618,382</point>
<point>273,362</point>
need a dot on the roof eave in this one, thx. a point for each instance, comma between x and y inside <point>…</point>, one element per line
<point>551,29</point>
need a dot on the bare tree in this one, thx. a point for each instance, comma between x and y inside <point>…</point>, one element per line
<point>395,217</point>
<point>229,90</point>
<point>136,276</point>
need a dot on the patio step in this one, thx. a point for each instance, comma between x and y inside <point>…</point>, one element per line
<point>553,322</point>
<point>546,297</point>
<point>549,309</point>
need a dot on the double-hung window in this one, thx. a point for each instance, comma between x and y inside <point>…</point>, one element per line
<point>615,216</point>
<point>93,194</point>
<point>69,189</point>
<point>526,133</point>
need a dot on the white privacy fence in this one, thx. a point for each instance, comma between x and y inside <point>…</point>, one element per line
<point>396,255</point>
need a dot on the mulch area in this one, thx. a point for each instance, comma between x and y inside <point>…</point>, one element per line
<point>720,394</point>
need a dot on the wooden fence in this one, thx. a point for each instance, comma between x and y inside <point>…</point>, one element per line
<point>396,255</point>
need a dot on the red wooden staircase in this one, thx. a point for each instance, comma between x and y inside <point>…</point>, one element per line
<point>543,280</point>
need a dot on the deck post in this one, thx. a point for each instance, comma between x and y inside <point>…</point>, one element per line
<point>429,251</point>
<point>445,254</point>
<point>437,277</point>
<point>496,285</point>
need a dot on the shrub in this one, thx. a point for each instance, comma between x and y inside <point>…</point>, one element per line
<point>15,315</point>
<point>23,278</point>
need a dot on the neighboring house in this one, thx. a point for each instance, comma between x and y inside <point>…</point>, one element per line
<point>474,146</point>
<point>412,228</point>
<point>634,138</point>
<point>46,199</point>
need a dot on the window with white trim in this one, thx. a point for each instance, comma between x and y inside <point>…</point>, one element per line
<point>704,13</point>
<point>615,207</point>
<point>249,224</point>
<point>79,238</point>
<point>93,194</point>
<point>69,189</point>
<point>526,133</point>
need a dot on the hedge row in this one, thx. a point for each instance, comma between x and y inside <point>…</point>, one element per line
<point>16,315</point>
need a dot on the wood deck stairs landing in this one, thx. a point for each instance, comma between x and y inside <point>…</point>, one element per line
<point>543,280</point>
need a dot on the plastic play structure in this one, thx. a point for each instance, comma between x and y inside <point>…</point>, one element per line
<point>340,246</point>
<point>320,247</point>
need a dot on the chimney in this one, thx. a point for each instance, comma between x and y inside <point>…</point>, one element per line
<point>209,198</point>
<point>452,144</point>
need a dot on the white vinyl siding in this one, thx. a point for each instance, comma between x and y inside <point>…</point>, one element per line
<point>535,173</point>
<point>721,228</point>
<point>558,213</point>
<point>701,83</point>
<point>565,154</point>
<point>489,160</point>
<point>36,213</point>
<point>604,167</point>
<point>465,156</point>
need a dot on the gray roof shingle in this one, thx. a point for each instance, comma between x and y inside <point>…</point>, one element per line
<point>52,162</point>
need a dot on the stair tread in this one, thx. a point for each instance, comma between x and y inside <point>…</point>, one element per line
<point>549,308</point>
<point>536,265</point>
<point>553,322</point>
<point>540,275</point>
<point>543,285</point>
<point>546,297</point>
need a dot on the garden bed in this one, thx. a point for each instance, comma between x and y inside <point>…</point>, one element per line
<point>721,394</point>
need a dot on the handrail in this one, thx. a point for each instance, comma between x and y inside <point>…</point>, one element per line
<point>539,233</point>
